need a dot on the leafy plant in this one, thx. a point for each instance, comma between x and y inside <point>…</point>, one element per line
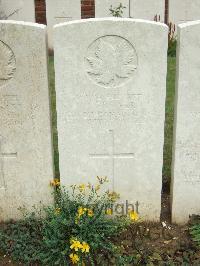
<point>117,11</point>
<point>195,228</point>
<point>23,239</point>
<point>78,230</point>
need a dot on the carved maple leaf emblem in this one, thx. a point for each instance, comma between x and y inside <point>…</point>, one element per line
<point>7,62</point>
<point>112,62</point>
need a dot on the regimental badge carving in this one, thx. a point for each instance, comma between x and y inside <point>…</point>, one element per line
<point>7,63</point>
<point>111,61</point>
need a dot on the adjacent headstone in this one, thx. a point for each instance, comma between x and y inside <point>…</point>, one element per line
<point>181,11</point>
<point>102,7</point>
<point>186,157</point>
<point>148,9</point>
<point>110,85</point>
<point>26,165</point>
<point>59,12</point>
<point>21,10</point>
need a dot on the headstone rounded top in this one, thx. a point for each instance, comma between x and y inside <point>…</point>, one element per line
<point>111,61</point>
<point>113,20</point>
<point>189,24</point>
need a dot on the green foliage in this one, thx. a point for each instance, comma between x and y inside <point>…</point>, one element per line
<point>172,40</point>
<point>77,228</point>
<point>54,114</point>
<point>117,11</point>
<point>169,118</point>
<point>195,233</point>
<point>83,219</point>
<point>172,48</point>
<point>23,239</point>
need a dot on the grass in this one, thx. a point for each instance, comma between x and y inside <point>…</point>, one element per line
<point>169,119</point>
<point>54,114</point>
<point>168,124</point>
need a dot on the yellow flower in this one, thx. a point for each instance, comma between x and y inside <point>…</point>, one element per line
<point>82,187</point>
<point>75,244</point>
<point>85,247</point>
<point>89,186</point>
<point>97,188</point>
<point>109,211</point>
<point>57,211</point>
<point>55,182</point>
<point>113,196</point>
<point>74,258</point>
<point>133,215</point>
<point>90,212</point>
<point>81,211</point>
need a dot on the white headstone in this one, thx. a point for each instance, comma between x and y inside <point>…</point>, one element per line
<point>25,135</point>
<point>110,86</point>
<point>102,7</point>
<point>59,12</point>
<point>22,10</point>
<point>181,11</point>
<point>148,9</point>
<point>186,165</point>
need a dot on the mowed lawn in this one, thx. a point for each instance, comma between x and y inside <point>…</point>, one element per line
<point>168,122</point>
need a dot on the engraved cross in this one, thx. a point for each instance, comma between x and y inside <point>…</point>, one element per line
<point>112,155</point>
<point>4,156</point>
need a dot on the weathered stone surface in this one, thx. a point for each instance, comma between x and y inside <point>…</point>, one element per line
<point>102,7</point>
<point>25,136</point>
<point>181,11</point>
<point>148,9</point>
<point>59,12</point>
<point>23,10</point>
<point>110,85</point>
<point>186,157</point>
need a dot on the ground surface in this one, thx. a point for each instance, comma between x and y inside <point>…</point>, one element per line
<point>161,245</point>
<point>152,245</point>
